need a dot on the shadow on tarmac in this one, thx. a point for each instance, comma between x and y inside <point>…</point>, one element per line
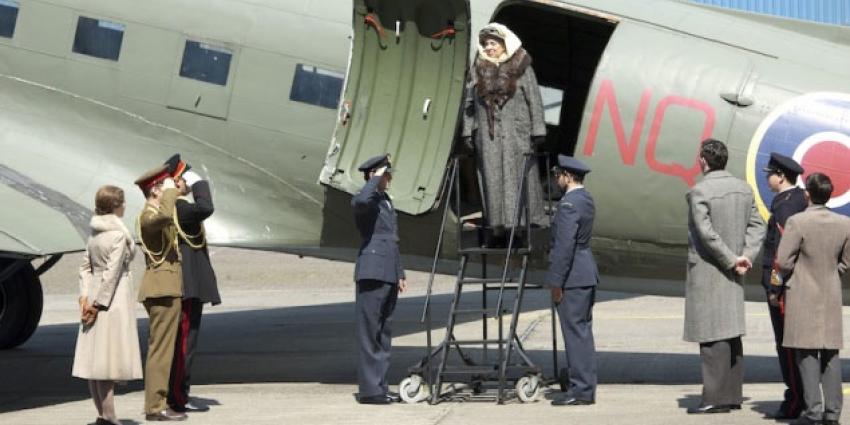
<point>309,344</point>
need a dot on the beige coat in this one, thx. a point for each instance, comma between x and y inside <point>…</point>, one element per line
<point>109,349</point>
<point>813,253</point>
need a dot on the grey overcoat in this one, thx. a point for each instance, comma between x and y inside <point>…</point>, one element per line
<point>501,158</point>
<point>813,253</point>
<point>723,223</point>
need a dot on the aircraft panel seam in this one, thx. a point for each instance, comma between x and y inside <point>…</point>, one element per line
<point>172,129</point>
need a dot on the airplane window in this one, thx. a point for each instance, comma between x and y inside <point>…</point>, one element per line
<point>316,86</point>
<point>98,38</point>
<point>8,17</point>
<point>203,62</point>
<point>552,99</point>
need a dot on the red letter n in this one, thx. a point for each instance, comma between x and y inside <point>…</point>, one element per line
<point>628,149</point>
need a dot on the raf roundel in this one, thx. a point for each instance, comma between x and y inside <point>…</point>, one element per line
<point>814,129</point>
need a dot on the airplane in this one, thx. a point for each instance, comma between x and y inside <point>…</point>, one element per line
<point>251,91</point>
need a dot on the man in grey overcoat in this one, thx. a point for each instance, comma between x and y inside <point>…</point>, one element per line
<point>812,272</point>
<point>725,233</point>
<point>503,120</point>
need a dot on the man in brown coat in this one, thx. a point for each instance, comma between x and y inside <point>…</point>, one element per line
<point>161,289</point>
<point>813,298</point>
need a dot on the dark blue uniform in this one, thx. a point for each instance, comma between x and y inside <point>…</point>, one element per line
<point>784,205</point>
<point>572,267</point>
<point>377,273</point>
<point>199,287</point>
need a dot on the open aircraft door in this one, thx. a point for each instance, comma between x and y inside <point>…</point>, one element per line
<point>402,96</point>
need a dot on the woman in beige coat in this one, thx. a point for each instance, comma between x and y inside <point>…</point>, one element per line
<point>813,254</point>
<point>108,341</point>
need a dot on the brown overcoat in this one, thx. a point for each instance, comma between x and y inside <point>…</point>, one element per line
<point>813,253</point>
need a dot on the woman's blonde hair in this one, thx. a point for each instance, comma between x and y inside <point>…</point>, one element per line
<point>108,199</point>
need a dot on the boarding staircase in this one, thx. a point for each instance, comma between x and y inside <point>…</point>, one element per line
<point>503,361</point>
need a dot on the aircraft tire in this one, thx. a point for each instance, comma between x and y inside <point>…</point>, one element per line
<point>21,303</point>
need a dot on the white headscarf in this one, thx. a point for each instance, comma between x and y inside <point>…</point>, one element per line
<point>512,42</point>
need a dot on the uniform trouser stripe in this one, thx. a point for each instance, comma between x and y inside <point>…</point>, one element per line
<point>178,374</point>
<point>793,400</point>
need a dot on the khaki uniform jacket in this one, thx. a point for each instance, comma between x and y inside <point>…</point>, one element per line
<point>159,235</point>
<point>813,253</point>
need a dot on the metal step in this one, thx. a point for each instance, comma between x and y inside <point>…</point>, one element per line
<point>480,311</point>
<point>494,251</point>
<point>477,341</point>
<point>478,280</point>
<point>512,370</point>
<point>470,370</point>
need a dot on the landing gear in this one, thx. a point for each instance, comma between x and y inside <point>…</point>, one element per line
<point>21,302</point>
<point>413,389</point>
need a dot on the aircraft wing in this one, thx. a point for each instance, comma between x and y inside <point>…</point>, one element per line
<point>59,148</point>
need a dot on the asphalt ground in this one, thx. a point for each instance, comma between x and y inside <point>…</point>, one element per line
<point>279,350</point>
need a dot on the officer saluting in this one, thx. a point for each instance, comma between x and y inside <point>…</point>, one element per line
<point>781,173</point>
<point>161,288</point>
<point>199,282</point>
<point>573,277</point>
<point>379,276</point>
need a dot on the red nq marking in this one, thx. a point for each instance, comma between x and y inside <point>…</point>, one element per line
<point>629,148</point>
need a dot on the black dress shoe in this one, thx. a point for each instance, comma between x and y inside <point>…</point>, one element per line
<point>805,420</point>
<point>192,407</point>
<point>375,399</point>
<point>707,409</point>
<point>571,401</point>
<point>394,397</point>
<point>734,406</point>
<point>783,415</point>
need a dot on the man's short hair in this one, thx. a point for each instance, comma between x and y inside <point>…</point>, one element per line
<point>819,187</point>
<point>715,154</point>
<point>148,191</point>
<point>558,172</point>
<point>578,178</point>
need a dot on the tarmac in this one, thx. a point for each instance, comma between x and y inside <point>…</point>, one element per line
<point>279,350</point>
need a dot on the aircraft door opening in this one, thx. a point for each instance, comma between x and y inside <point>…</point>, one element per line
<point>566,47</point>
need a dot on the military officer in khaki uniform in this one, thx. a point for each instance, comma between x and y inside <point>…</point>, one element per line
<point>162,287</point>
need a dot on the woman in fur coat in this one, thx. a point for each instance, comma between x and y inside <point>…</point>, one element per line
<point>503,113</point>
<point>108,341</point>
